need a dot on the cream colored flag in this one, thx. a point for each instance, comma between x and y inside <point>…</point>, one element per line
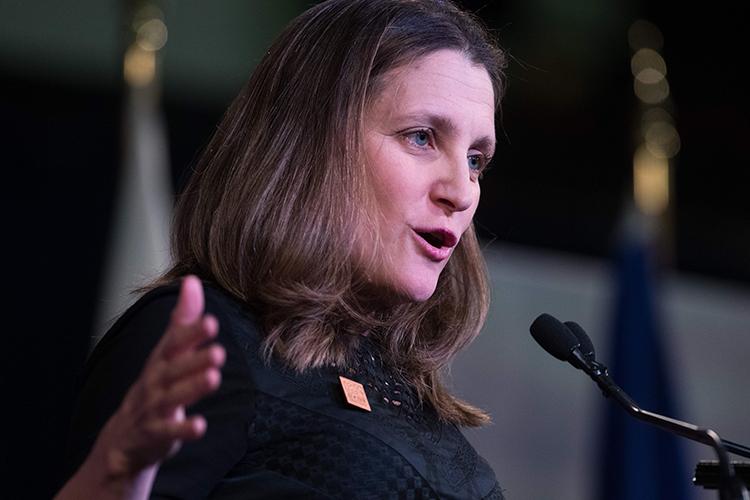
<point>138,249</point>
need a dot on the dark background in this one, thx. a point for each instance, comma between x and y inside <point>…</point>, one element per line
<point>562,172</point>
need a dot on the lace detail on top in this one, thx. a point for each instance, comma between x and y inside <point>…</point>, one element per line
<point>391,391</point>
<point>383,381</point>
<point>387,390</point>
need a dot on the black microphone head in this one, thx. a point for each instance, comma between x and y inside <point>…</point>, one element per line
<point>553,336</point>
<point>587,347</point>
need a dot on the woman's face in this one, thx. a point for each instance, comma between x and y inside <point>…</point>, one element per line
<point>428,135</point>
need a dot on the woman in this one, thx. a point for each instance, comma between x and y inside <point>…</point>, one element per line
<point>330,221</point>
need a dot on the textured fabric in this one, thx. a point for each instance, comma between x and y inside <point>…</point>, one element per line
<point>274,433</point>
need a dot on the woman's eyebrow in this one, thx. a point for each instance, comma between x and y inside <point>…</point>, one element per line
<point>486,144</point>
<point>446,126</point>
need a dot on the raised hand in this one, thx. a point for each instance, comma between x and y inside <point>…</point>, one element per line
<point>150,424</point>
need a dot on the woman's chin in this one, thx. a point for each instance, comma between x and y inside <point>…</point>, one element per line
<point>397,288</point>
<point>416,291</point>
<point>394,294</point>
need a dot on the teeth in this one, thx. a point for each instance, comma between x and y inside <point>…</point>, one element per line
<point>433,240</point>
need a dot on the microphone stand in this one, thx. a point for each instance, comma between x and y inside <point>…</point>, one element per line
<point>730,486</point>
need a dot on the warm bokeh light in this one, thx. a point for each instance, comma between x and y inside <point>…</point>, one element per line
<point>139,66</point>
<point>151,35</point>
<point>649,76</point>
<point>650,182</point>
<point>646,60</point>
<point>644,34</point>
<point>651,93</point>
<point>652,115</point>
<point>662,139</point>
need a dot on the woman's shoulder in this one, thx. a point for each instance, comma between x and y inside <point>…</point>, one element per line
<point>144,322</point>
<point>157,304</point>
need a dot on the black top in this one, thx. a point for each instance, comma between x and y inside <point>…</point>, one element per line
<point>273,433</point>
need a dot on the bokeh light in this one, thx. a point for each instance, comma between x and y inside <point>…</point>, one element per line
<point>151,35</point>
<point>139,66</point>
<point>650,182</point>
<point>648,60</point>
<point>651,93</point>
<point>662,139</point>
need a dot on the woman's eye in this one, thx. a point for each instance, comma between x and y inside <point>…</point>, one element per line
<point>420,138</point>
<point>476,162</point>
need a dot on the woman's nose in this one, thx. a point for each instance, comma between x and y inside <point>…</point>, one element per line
<point>455,190</point>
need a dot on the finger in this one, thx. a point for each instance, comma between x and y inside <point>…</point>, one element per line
<point>190,302</point>
<point>185,314</point>
<point>189,390</point>
<point>185,430</point>
<point>192,428</point>
<point>164,436</point>
<point>174,360</point>
<point>189,362</point>
<point>182,338</point>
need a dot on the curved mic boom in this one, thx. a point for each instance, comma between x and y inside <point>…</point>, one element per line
<point>569,342</point>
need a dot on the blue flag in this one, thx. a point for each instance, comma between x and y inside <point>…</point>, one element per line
<point>639,461</point>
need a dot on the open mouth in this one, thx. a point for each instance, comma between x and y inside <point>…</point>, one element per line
<point>436,244</point>
<point>437,238</point>
<point>434,239</point>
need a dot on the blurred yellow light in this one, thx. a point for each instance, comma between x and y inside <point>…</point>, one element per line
<point>139,66</point>
<point>649,76</point>
<point>644,34</point>
<point>651,93</point>
<point>662,139</point>
<point>650,182</point>
<point>655,115</point>
<point>151,35</point>
<point>647,59</point>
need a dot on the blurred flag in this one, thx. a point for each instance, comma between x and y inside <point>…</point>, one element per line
<point>138,249</point>
<point>638,461</point>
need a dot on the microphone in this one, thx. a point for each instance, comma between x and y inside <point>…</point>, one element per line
<point>569,342</point>
<point>558,340</point>
<point>587,347</point>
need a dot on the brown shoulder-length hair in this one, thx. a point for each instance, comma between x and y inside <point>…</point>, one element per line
<point>275,206</point>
